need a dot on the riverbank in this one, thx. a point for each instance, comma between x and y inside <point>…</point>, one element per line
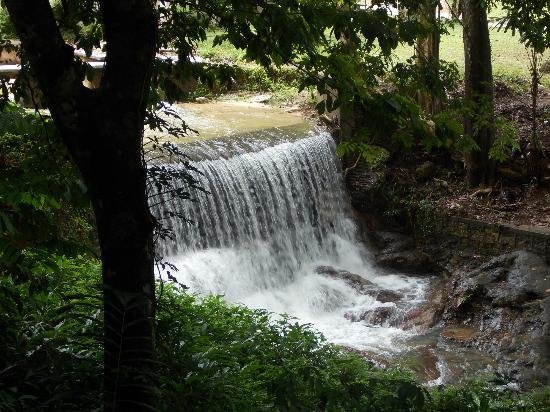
<point>489,304</point>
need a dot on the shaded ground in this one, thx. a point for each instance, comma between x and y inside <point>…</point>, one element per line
<point>516,197</point>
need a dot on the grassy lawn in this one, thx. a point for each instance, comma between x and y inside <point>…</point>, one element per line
<point>510,58</point>
<point>510,61</point>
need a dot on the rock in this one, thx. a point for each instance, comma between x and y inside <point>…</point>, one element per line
<point>380,316</point>
<point>421,318</point>
<point>384,315</point>
<point>261,98</point>
<point>293,109</point>
<point>391,241</point>
<point>505,302</point>
<point>202,99</point>
<point>398,252</point>
<point>429,314</point>
<point>356,281</point>
<point>458,333</point>
<point>507,280</point>
<point>424,171</point>
<point>386,296</point>
<point>362,184</point>
<point>411,261</point>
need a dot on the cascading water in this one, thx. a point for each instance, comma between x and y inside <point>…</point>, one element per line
<point>275,232</point>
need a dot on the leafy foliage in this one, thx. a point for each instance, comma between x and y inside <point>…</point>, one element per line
<point>531,19</point>
<point>232,358</point>
<point>50,351</point>
<point>375,156</point>
<point>43,202</point>
<point>506,141</point>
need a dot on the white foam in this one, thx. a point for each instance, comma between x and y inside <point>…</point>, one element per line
<point>273,216</point>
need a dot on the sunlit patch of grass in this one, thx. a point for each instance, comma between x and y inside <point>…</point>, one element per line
<point>509,56</point>
<point>223,52</point>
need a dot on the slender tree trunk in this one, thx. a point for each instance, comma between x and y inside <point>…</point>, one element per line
<point>103,130</point>
<point>427,55</point>
<point>535,155</point>
<point>478,89</point>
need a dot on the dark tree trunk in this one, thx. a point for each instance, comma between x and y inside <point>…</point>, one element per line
<point>536,162</point>
<point>478,89</point>
<point>427,55</point>
<point>103,131</point>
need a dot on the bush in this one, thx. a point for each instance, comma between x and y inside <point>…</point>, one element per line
<point>51,350</point>
<point>223,357</point>
<point>43,202</point>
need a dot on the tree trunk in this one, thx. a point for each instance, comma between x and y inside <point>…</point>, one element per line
<point>427,55</point>
<point>536,163</point>
<point>103,131</point>
<point>478,88</point>
<point>125,229</point>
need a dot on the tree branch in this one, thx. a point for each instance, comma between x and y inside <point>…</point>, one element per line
<point>53,63</point>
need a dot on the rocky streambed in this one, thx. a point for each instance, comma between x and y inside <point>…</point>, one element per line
<point>481,316</point>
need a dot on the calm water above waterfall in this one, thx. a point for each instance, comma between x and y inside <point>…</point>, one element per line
<point>277,211</point>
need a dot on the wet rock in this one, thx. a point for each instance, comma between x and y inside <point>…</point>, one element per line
<point>386,296</point>
<point>391,241</point>
<point>376,359</point>
<point>380,316</point>
<point>505,302</point>
<point>429,314</point>
<point>362,184</point>
<point>421,318</point>
<point>353,316</point>
<point>458,333</point>
<point>422,361</point>
<point>507,280</point>
<point>410,261</point>
<point>398,252</point>
<point>261,98</point>
<point>424,171</point>
<point>356,281</point>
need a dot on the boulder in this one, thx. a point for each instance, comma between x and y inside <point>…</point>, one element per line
<point>379,316</point>
<point>410,261</point>
<point>398,252</point>
<point>507,280</point>
<point>429,313</point>
<point>356,281</point>
<point>386,296</point>
<point>506,302</point>
<point>424,171</point>
<point>391,241</point>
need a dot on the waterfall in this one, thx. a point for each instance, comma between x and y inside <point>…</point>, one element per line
<point>275,231</point>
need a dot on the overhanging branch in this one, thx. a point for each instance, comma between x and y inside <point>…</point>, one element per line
<point>52,62</point>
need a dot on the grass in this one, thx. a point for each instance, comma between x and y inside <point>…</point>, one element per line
<point>510,58</point>
<point>222,53</point>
